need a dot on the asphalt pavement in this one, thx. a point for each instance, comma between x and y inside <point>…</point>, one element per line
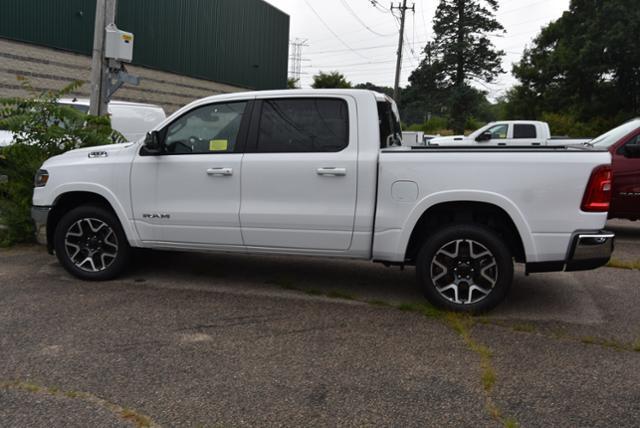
<point>208,340</point>
<point>627,240</point>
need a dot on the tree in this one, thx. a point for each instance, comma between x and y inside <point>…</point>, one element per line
<point>425,95</point>
<point>373,87</point>
<point>462,52</point>
<point>333,79</point>
<point>585,65</point>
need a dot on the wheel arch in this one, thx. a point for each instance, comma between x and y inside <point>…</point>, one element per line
<point>490,210</point>
<point>70,199</point>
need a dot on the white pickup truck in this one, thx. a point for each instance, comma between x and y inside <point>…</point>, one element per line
<point>308,172</point>
<point>509,133</point>
<point>132,120</point>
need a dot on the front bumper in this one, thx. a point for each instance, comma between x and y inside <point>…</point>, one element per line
<point>40,216</point>
<point>590,250</point>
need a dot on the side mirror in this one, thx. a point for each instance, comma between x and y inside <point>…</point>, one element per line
<point>632,151</point>
<point>152,143</point>
<point>485,136</point>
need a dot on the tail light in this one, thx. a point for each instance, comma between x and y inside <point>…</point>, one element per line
<point>598,194</point>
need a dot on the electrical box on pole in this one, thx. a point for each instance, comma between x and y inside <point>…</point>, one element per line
<point>118,44</point>
<point>111,49</point>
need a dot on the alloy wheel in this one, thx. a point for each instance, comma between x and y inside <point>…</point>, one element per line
<point>91,244</point>
<point>464,271</point>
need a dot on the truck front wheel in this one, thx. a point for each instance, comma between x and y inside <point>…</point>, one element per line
<point>90,243</point>
<point>465,268</point>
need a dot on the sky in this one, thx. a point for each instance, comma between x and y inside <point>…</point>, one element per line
<point>360,39</point>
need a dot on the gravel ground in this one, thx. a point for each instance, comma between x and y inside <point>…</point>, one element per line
<point>228,340</point>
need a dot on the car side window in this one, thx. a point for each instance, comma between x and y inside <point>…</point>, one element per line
<point>208,129</point>
<point>524,131</point>
<point>499,132</point>
<point>633,141</point>
<point>303,125</point>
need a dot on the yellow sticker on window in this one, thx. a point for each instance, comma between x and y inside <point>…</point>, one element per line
<point>218,145</point>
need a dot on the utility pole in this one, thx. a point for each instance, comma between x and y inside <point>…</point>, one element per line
<point>403,11</point>
<point>105,15</point>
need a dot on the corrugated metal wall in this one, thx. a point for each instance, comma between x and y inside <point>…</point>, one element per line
<point>239,42</point>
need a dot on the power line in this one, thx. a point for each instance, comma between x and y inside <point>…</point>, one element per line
<point>355,15</point>
<point>377,6</point>
<point>359,48</point>
<point>333,32</point>
<point>508,11</point>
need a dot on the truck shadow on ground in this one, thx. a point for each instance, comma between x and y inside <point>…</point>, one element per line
<point>544,297</point>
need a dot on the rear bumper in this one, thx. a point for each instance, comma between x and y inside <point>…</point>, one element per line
<point>588,250</point>
<point>40,215</point>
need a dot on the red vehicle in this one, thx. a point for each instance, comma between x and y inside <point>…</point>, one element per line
<point>623,143</point>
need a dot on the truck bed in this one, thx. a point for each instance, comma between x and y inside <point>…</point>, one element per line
<point>540,188</point>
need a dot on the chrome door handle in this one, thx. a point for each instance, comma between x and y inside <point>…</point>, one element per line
<point>332,171</point>
<point>220,171</point>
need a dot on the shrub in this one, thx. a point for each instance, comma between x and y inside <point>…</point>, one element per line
<point>41,128</point>
<point>434,124</point>
<point>472,124</point>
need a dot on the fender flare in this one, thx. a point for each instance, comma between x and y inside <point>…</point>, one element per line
<point>110,197</point>
<point>485,197</point>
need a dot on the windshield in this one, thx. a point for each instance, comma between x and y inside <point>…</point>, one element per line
<point>613,136</point>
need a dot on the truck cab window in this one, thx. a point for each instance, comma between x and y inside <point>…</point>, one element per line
<point>390,129</point>
<point>499,132</point>
<point>524,131</point>
<point>209,129</point>
<point>303,125</point>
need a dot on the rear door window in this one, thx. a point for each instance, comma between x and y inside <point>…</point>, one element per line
<point>524,131</point>
<point>303,125</point>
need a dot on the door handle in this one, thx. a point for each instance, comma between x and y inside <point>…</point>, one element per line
<point>219,172</point>
<point>332,171</point>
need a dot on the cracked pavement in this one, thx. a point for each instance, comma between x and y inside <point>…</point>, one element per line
<point>190,339</point>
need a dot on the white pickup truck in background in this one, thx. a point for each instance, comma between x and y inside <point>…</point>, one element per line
<point>132,120</point>
<point>309,172</point>
<point>509,133</point>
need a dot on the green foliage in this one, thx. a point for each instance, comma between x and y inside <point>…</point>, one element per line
<point>415,127</point>
<point>333,79</point>
<point>461,53</point>
<point>18,163</point>
<point>41,128</point>
<point>472,123</point>
<point>435,124</point>
<point>373,87</point>
<point>293,83</point>
<point>585,66</point>
<point>464,53</point>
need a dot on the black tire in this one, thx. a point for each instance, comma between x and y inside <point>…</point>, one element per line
<point>107,261</point>
<point>459,283</point>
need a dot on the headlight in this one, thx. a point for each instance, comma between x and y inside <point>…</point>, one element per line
<point>42,176</point>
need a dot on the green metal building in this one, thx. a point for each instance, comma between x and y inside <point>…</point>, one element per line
<point>242,43</point>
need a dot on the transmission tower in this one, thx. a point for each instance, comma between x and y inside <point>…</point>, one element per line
<point>295,59</point>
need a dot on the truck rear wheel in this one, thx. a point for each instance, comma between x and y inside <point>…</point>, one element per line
<point>465,268</point>
<point>90,243</point>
